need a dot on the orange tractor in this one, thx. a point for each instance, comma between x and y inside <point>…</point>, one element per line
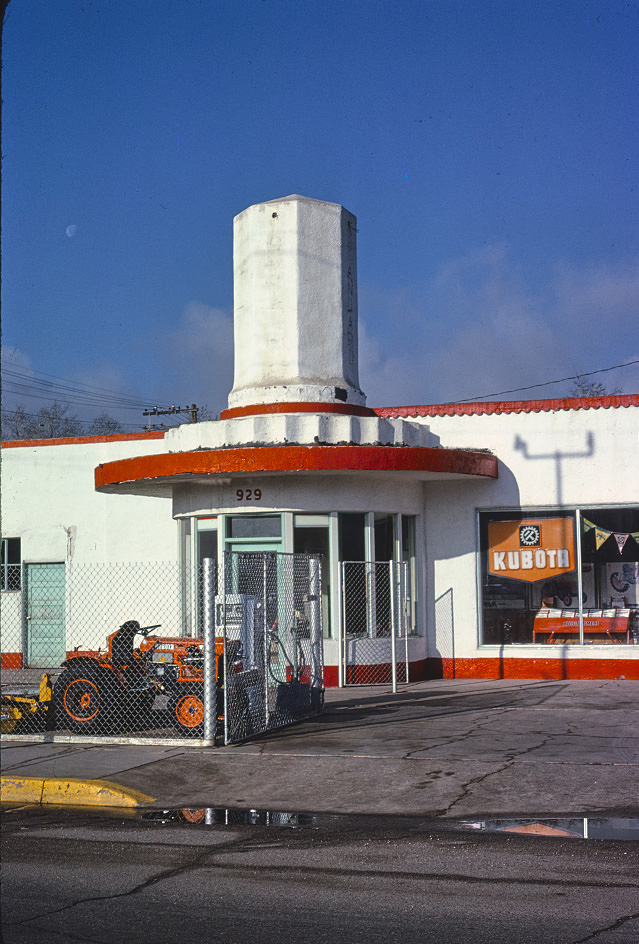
<point>99,691</point>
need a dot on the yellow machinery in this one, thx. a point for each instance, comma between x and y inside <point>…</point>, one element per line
<point>26,711</point>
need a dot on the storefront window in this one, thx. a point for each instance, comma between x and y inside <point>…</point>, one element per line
<point>568,577</point>
<point>207,539</point>
<point>410,563</point>
<point>311,536</point>
<point>352,540</point>
<point>377,556</point>
<point>206,550</point>
<point>384,537</point>
<point>254,526</point>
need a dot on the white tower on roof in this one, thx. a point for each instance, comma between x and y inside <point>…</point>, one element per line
<point>295,321</point>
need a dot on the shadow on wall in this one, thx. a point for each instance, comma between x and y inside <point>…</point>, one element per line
<point>451,511</point>
<point>560,653</point>
<point>558,457</point>
<point>445,623</point>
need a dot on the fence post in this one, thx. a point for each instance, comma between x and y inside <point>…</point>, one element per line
<point>265,636</point>
<point>226,562</point>
<point>315,626</point>
<point>371,599</point>
<point>342,668</point>
<point>403,584</point>
<point>210,712</point>
<point>393,609</point>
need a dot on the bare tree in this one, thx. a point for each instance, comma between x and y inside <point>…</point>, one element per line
<point>105,425</point>
<point>54,422</point>
<point>206,413</point>
<point>584,387</point>
<point>16,424</point>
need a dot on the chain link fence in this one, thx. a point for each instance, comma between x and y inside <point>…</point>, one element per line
<point>375,620</point>
<point>147,650</point>
<point>273,625</point>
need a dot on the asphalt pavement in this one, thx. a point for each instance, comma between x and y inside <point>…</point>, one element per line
<point>450,748</point>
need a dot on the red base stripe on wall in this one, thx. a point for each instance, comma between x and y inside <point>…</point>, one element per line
<point>11,660</point>
<point>496,668</point>
<point>489,669</point>
<point>331,676</point>
<point>376,674</point>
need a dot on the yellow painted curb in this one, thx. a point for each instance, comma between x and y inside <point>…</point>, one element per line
<point>70,791</point>
<point>22,790</point>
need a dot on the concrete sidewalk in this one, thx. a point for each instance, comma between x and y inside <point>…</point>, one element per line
<point>451,747</point>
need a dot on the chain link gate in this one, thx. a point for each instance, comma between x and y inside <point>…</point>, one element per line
<point>119,651</point>
<point>374,648</point>
<point>270,612</point>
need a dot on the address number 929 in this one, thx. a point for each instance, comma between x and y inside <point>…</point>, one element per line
<point>248,494</point>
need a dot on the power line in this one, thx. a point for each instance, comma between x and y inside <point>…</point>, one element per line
<point>193,410</point>
<point>34,387</point>
<point>35,384</point>
<point>8,415</point>
<point>548,383</point>
<point>62,397</point>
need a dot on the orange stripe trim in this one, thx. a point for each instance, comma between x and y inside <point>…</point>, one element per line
<point>510,406</point>
<point>11,660</point>
<point>295,459</point>
<point>300,407</point>
<point>82,440</point>
<point>533,668</point>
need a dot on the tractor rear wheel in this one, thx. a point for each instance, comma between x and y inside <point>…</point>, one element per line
<point>84,699</point>
<point>187,710</point>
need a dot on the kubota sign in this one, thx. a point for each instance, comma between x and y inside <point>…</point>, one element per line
<point>531,549</point>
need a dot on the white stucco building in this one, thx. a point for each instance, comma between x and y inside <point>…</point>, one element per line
<point>510,531</point>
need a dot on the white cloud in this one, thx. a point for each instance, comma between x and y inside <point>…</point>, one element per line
<point>17,375</point>
<point>484,331</point>
<point>193,363</point>
<point>85,393</point>
<point>199,356</point>
<point>602,300</point>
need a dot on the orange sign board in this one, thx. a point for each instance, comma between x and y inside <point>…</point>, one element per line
<point>531,549</point>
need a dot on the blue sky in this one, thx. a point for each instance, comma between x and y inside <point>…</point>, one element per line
<point>488,149</point>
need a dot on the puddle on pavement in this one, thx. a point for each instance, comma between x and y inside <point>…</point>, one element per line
<point>221,816</point>
<point>577,827</point>
<point>610,827</point>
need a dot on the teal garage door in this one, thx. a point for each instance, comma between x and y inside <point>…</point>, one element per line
<point>46,636</point>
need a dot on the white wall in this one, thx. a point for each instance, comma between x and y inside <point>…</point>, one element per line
<point>49,501</point>
<point>559,457</point>
<point>584,457</point>
<point>11,626</point>
<point>319,492</point>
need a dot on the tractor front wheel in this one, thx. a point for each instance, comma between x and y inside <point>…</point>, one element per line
<point>187,710</point>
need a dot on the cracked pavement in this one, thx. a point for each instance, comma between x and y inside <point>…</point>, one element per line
<point>74,876</point>
<point>451,747</point>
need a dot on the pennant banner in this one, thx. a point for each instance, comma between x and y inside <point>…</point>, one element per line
<point>621,540</point>
<point>601,536</point>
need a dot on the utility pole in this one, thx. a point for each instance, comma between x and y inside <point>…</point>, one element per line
<point>193,410</point>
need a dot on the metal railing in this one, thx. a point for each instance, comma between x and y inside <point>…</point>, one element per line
<point>271,612</point>
<point>375,605</point>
